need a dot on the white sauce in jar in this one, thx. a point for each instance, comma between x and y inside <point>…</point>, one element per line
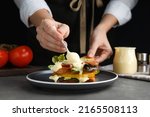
<point>125,61</point>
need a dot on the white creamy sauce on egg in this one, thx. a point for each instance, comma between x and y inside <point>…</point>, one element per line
<point>74,59</point>
<point>55,77</point>
<point>56,67</point>
<point>83,79</point>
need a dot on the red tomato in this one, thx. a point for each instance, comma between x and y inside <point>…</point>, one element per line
<point>3,58</point>
<point>21,56</point>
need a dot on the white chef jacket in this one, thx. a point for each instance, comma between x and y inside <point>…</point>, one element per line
<point>121,9</point>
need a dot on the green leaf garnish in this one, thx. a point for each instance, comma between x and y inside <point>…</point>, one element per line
<point>59,58</point>
<point>50,66</point>
<point>55,59</point>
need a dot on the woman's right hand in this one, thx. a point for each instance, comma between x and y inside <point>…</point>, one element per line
<point>50,34</point>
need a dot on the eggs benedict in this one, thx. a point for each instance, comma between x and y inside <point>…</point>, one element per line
<point>71,68</point>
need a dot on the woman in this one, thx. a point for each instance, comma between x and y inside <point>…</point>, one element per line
<point>82,23</point>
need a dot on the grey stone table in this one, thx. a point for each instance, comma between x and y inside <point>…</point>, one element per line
<point>18,88</point>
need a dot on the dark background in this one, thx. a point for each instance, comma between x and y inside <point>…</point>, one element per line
<point>135,33</point>
<point>12,30</point>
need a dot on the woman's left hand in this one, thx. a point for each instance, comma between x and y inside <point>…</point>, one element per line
<point>99,45</point>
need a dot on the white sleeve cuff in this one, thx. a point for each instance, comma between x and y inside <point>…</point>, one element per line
<point>28,7</point>
<point>120,10</point>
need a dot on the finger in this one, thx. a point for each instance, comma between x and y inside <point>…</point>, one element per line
<point>64,30</point>
<point>93,49</point>
<point>104,55</point>
<point>53,49</point>
<point>59,47</point>
<point>50,45</point>
<point>53,32</point>
<point>49,38</point>
<point>50,28</point>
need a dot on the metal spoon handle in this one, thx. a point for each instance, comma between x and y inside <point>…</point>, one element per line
<point>66,46</point>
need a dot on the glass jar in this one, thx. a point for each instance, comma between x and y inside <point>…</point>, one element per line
<point>125,61</point>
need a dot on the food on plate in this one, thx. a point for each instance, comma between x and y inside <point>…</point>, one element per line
<point>21,56</point>
<point>71,68</point>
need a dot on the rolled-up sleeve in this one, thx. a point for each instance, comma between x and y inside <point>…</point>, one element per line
<point>29,7</point>
<point>121,9</point>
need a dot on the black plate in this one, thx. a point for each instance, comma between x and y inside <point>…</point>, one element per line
<point>41,79</point>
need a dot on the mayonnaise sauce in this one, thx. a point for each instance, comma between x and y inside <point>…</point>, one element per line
<point>57,66</point>
<point>74,59</point>
<point>124,61</point>
<point>56,77</point>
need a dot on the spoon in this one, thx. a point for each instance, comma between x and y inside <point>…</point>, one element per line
<point>66,46</point>
<point>64,43</point>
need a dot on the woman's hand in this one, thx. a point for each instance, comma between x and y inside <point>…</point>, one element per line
<point>99,45</point>
<point>50,34</point>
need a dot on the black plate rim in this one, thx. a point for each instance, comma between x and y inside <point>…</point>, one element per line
<point>69,84</point>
